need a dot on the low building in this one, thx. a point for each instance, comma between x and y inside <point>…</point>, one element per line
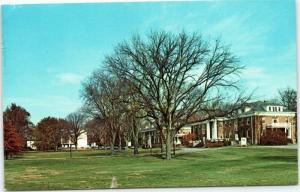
<point>150,136</point>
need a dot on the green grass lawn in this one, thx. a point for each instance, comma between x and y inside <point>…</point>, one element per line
<point>230,166</point>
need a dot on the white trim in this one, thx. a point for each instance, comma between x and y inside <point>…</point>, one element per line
<point>289,114</point>
<point>284,114</point>
<point>267,113</point>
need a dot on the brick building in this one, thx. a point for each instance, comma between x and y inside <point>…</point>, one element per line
<point>251,122</point>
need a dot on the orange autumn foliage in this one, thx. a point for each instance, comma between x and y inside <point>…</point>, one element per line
<point>13,142</point>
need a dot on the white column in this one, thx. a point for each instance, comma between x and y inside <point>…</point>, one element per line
<point>290,133</point>
<point>215,130</point>
<point>149,140</point>
<point>207,130</point>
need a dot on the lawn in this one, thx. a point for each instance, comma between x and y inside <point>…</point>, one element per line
<point>230,166</point>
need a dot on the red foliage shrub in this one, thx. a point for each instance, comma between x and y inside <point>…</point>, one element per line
<point>187,139</point>
<point>210,144</point>
<point>273,138</point>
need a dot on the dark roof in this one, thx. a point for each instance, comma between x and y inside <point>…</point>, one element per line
<point>260,106</point>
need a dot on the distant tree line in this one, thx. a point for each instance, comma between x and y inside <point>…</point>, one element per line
<point>48,134</point>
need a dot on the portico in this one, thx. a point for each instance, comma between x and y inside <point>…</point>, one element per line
<point>211,129</point>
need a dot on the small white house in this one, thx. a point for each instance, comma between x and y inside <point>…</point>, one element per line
<point>82,141</point>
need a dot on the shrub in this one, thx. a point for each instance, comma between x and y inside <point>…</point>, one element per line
<point>273,138</point>
<point>188,139</point>
<point>210,144</point>
<point>200,144</point>
<point>226,142</point>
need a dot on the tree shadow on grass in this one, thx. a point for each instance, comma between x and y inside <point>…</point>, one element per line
<point>157,155</point>
<point>279,158</point>
<point>177,156</point>
<point>104,154</point>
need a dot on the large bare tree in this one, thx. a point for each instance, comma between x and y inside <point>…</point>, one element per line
<point>177,76</point>
<point>102,96</point>
<point>76,122</point>
<point>135,115</point>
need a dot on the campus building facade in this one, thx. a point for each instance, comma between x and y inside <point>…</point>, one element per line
<point>251,122</point>
<point>254,120</point>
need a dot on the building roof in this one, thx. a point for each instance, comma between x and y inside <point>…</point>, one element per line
<point>261,106</point>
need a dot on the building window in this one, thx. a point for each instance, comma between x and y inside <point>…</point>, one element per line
<point>275,121</point>
<point>270,109</point>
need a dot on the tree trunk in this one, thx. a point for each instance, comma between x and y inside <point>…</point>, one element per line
<point>168,144</point>
<point>135,138</point>
<point>161,142</point>
<point>126,142</point>
<point>112,143</point>
<point>136,145</point>
<point>120,141</point>
<point>169,139</point>
<point>174,146</point>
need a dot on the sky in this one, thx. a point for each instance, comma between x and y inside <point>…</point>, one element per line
<point>49,49</point>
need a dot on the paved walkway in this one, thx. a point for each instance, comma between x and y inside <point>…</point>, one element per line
<point>191,150</point>
<point>291,146</point>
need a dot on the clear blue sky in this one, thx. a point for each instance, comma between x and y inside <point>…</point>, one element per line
<point>49,49</point>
